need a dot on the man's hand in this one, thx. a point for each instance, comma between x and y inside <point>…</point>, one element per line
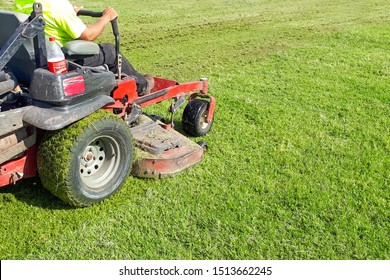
<point>77,8</point>
<point>94,30</point>
<point>110,14</point>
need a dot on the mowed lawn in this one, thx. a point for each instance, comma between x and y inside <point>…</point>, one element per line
<point>299,155</point>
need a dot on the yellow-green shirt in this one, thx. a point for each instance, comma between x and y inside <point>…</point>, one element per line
<point>60,17</point>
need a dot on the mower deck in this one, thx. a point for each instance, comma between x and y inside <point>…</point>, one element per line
<point>160,151</point>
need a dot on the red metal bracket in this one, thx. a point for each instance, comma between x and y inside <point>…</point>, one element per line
<point>17,169</point>
<point>211,108</point>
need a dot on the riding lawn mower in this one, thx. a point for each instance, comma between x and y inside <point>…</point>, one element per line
<point>84,132</point>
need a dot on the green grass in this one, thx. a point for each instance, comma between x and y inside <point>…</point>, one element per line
<point>299,159</point>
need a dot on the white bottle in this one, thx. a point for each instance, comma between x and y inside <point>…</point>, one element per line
<point>55,58</point>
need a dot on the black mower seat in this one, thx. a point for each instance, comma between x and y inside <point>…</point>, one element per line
<point>22,64</point>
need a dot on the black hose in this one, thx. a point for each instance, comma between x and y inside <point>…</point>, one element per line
<point>8,84</point>
<point>2,76</point>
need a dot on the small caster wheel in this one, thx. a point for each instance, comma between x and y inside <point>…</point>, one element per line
<point>194,120</point>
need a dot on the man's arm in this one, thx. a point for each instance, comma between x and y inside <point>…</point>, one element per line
<point>94,30</point>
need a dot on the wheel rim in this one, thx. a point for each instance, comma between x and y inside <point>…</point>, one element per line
<point>203,120</point>
<point>99,162</point>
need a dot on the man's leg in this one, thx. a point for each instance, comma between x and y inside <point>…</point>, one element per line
<point>107,55</point>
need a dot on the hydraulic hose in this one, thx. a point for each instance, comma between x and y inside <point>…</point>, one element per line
<point>8,84</point>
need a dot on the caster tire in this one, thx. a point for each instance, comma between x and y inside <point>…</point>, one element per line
<point>194,120</point>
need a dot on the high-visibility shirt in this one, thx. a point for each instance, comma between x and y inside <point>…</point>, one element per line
<point>60,17</point>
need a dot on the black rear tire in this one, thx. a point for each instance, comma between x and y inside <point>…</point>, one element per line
<point>87,161</point>
<point>194,120</point>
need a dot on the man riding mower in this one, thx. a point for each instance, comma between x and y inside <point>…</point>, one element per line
<point>84,131</point>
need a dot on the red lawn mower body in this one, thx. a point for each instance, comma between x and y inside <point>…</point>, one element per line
<point>48,102</point>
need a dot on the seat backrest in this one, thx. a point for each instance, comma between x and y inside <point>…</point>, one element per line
<point>22,64</point>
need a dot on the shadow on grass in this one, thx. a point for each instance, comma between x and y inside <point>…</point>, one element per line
<point>31,192</point>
